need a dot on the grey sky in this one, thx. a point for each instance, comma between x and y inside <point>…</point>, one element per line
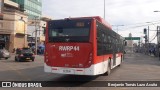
<point>118,12</point>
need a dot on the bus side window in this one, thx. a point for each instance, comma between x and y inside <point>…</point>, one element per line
<point>100,35</point>
<point>100,41</point>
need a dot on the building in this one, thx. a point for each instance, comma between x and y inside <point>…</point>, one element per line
<point>39,26</point>
<point>129,47</point>
<point>1,9</point>
<point>13,27</point>
<point>35,22</point>
<point>32,7</point>
<point>130,42</point>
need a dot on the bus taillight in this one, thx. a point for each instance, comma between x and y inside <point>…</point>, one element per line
<point>46,57</point>
<point>46,60</point>
<point>90,58</point>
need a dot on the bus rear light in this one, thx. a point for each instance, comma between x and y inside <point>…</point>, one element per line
<point>33,55</point>
<point>90,58</point>
<point>90,62</point>
<point>46,60</point>
<point>90,54</point>
<point>21,55</point>
<point>54,69</point>
<point>80,65</point>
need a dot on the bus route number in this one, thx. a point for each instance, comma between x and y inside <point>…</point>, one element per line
<point>69,48</point>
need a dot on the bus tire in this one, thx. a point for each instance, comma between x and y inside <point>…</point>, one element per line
<point>109,68</point>
<point>121,61</point>
<point>32,60</point>
<point>15,59</point>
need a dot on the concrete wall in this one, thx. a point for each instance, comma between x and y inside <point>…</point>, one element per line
<point>6,27</point>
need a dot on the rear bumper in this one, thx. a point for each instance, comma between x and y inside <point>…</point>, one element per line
<point>5,56</point>
<point>26,58</point>
<point>95,69</point>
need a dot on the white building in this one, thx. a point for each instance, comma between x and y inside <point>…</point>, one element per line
<point>39,25</point>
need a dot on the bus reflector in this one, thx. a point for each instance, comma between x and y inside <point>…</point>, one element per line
<point>79,70</point>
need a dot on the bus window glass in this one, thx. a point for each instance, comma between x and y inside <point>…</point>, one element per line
<point>69,30</point>
<point>54,33</point>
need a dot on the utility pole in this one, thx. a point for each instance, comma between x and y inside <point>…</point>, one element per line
<point>35,35</point>
<point>158,42</point>
<point>157,35</point>
<point>148,41</point>
<point>104,9</point>
<point>148,34</point>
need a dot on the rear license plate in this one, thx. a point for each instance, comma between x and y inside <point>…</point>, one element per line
<point>27,58</point>
<point>67,71</point>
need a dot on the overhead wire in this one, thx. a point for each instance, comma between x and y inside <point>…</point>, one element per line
<point>133,26</point>
<point>142,25</point>
<point>153,38</point>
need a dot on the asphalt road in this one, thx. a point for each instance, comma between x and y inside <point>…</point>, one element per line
<point>136,67</point>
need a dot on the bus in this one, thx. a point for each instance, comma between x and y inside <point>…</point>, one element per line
<point>82,46</point>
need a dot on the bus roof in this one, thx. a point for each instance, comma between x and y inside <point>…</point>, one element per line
<point>98,18</point>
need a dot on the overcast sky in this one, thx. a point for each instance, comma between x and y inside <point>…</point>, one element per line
<point>133,14</point>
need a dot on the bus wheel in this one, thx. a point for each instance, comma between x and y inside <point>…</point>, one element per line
<point>121,61</point>
<point>109,68</point>
<point>32,60</point>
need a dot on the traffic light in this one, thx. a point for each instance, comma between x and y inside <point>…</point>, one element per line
<point>145,31</point>
<point>145,38</point>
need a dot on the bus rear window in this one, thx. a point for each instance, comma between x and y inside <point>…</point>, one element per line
<point>69,30</point>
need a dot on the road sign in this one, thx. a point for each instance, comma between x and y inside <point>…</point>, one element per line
<point>132,38</point>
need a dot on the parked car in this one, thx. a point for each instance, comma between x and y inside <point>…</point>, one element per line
<point>4,54</point>
<point>24,54</point>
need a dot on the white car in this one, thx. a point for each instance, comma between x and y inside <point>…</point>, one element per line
<point>4,54</point>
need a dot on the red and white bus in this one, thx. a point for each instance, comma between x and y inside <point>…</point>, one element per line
<point>82,46</point>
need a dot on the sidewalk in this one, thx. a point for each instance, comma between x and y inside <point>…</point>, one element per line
<point>139,58</point>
